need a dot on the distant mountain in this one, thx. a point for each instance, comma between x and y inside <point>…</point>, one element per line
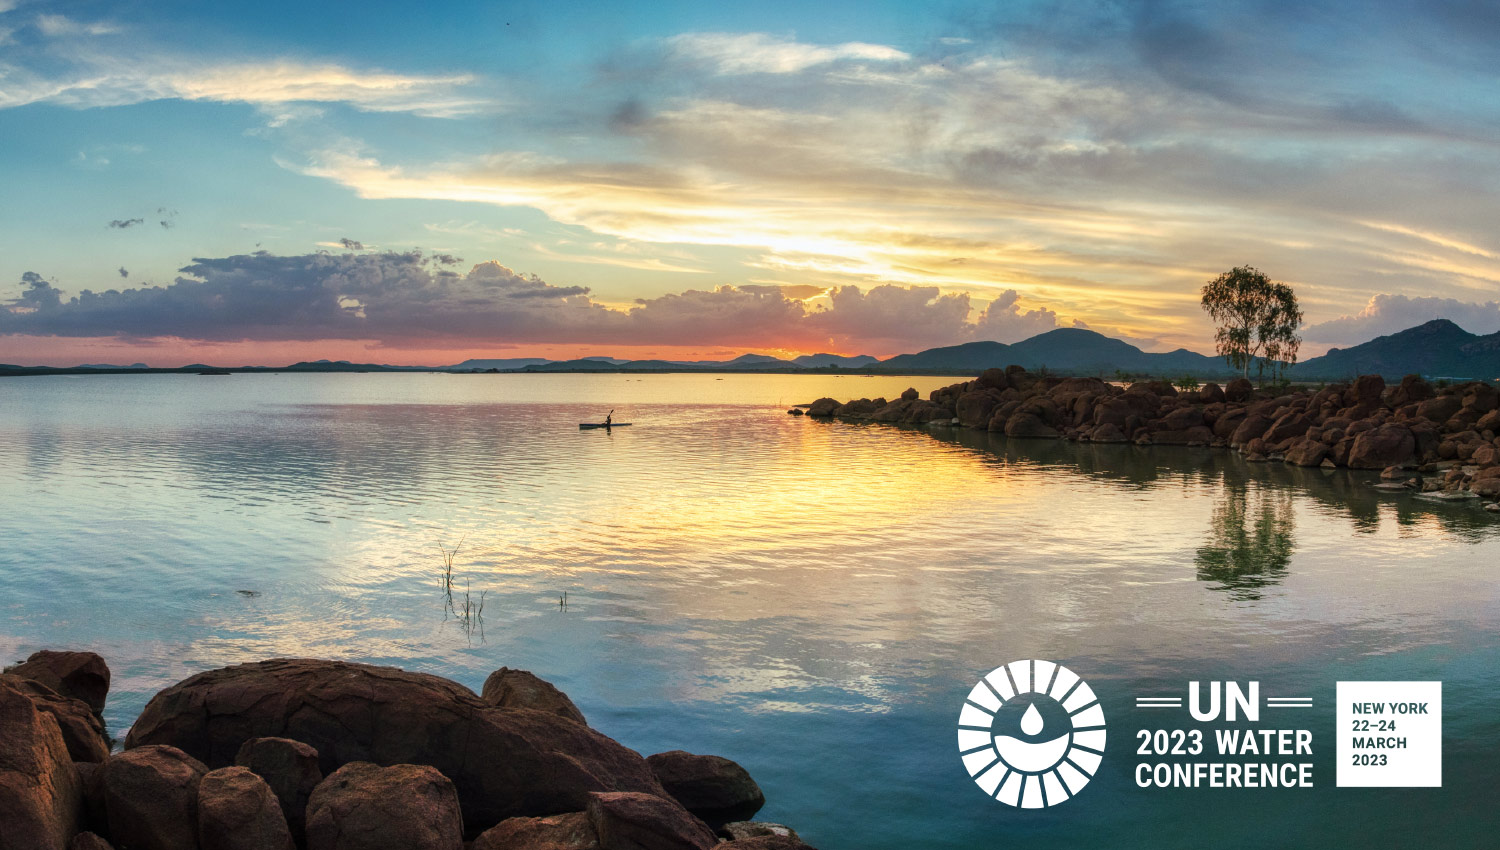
<point>112,366</point>
<point>824,361</point>
<point>1065,350</point>
<point>506,363</point>
<point>1437,349</point>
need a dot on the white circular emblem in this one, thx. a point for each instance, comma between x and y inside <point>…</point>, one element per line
<point>1031,734</point>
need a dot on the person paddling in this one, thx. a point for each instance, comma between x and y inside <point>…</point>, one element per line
<point>609,419</point>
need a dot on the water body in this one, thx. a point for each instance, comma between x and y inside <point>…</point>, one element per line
<point>813,599</point>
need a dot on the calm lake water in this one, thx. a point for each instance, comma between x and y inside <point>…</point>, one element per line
<point>811,599</point>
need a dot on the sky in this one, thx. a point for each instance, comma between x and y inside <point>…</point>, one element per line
<point>231,183</point>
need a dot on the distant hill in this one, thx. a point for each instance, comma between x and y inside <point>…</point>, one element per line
<point>112,366</point>
<point>505,363</point>
<point>838,361</point>
<point>1437,349</point>
<point>1065,350</point>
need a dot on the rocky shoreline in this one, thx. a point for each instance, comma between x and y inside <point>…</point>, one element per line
<point>330,755</point>
<point>1443,442</point>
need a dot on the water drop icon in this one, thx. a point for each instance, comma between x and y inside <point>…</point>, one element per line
<point>1031,721</point>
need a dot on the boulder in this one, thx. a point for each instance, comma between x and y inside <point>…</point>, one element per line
<point>1413,389</point>
<point>151,794</point>
<point>238,811</point>
<point>1308,453</point>
<point>88,841</point>
<point>822,407</point>
<point>82,729</point>
<point>1365,391</point>
<point>1239,390</point>
<point>740,830</point>
<point>1253,426</point>
<point>1107,433</point>
<point>571,831</point>
<point>1380,447</point>
<point>1182,419</point>
<point>1022,424</point>
<point>862,408</point>
<point>80,675</point>
<point>40,799</point>
<point>1439,409</point>
<point>766,842</point>
<point>363,806</point>
<point>509,688</point>
<point>712,787</point>
<point>910,394</point>
<point>992,379</point>
<point>290,769</point>
<point>1489,422</point>
<point>1211,393</point>
<point>974,408</point>
<point>91,786</point>
<point>1293,423</point>
<point>504,761</point>
<point>1481,397</point>
<point>630,821</point>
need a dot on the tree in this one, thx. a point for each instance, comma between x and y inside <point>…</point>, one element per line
<point>1258,320</point>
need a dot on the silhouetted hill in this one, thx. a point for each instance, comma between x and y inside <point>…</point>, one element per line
<point>1065,350</point>
<point>1437,349</point>
<point>838,361</point>
<point>970,356</point>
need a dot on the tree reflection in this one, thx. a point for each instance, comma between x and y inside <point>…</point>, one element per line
<point>1250,540</point>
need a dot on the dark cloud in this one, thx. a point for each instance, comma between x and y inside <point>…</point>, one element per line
<point>124,272</point>
<point>351,244</point>
<point>123,223</point>
<point>402,298</point>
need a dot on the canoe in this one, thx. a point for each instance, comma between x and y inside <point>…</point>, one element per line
<point>586,426</point>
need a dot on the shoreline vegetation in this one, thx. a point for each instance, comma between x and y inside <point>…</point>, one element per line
<point>1442,442</point>
<point>331,755</point>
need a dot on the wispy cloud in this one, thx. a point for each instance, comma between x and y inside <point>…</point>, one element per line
<point>760,53</point>
<point>57,26</point>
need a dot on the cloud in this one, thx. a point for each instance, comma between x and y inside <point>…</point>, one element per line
<point>126,223</point>
<point>124,272</point>
<point>1004,320</point>
<point>59,26</point>
<point>351,244</point>
<point>1387,314</point>
<point>761,53</point>
<point>410,298</point>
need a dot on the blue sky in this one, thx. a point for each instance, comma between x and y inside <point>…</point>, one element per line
<point>689,178</point>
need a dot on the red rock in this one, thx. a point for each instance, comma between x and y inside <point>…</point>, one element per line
<point>1107,433</point>
<point>1293,423</point>
<point>151,794</point>
<point>629,821</point>
<point>509,688</point>
<point>91,786</point>
<point>571,831</point>
<point>290,769</point>
<point>1381,447</point>
<point>993,379</point>
<point>40,799</point>
<point>766,842</point>
<point>1239,390</point>
<point>80,675</point>
<point>755,829</point>
<point>1412,389</point>
<point>975,408</point>
<point>1182,419</point>
<point>1254,425</point>
<point>1439,409</point>
<point>910,394</point>
<point>82,729</point>
<point>712,787</point>
<point>1481,397</point>
<point>88,841</point>
<point>364,806</point>
<point>1308,453</point>
<point>237,811</point>
<point>1365,392</point>
<point>822,407</point>
<point>1489,422</point>
<point>1028,425</point>
<point>1211,393</point>
<point>504,762</point>
<point>1485,456</point>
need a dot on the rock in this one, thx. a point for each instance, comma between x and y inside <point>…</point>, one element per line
<point>80,675</point>
<point>88,841</point>
<point>1308,453</point>
<point>1393,473</point>
<point>1412,389</point>
<point>1489,422</point>
<point>1384,446</point>
<point>1211,393</point>
<point>822,407</point>
<point>1182,419</point>
<point>910,394</point>
<point>1439,409</point>
<point>571,831</point>
<point>796,411</point>
<point>1485,456</point>
<point>504,762</point>
<point>740,830</point>
<point>1293,423</point>
<point>1022,424</point>
<point>509,688</point>
<point>290,769</point>
<point>1253,426</point>
<point>40,799</point>
<point>1492,507</point>
<point>364,806</point>
<point>862,408</point>
<point>712,787</point>
<point>151,794</point>
<point>975,408</point>
<point>1107,433</point>
<point>1481,397</point>
<point>1239,390</point>
<point>82,729</point>
<point>238,811</point>
<point>766,842</point>
<point>1365,392</point>
<point>992,379</point>
<point>1486,487</point>
<point>91,786</point>
<point>630,821</point>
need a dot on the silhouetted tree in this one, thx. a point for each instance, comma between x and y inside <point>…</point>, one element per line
<point>1258,320</point>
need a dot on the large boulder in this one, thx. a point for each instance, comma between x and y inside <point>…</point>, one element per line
<point>89,841</point>
<point>975,408</point>
<point>80,675</point>
<point>82,729</point>
<point>151,794</point>
<point>40,799</point>
<point>766,842</point>
<point>1386,445</point>
<point>504,761</point>
<point>290,769</point>
<point>1022,424</point>
<point>364,806</point>
<point>629,821</point>
<point>1439,409</point>
<point>712,787</point>
<point>1413,389</point>
<point>822,407</point>
<point>1252,426</point>
<point>1365,392</point>
<point>740,830</point>
<point>1239,390</point>
<point>238,811</point>
<point>571,831</point>
<point>992,379</point>
<point>1308,453</point>
<point>509,688</point>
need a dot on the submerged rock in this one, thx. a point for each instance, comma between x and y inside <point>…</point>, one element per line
<point>504,761</point>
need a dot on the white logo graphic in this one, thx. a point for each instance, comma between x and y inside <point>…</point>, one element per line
<point>1031,734</point>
